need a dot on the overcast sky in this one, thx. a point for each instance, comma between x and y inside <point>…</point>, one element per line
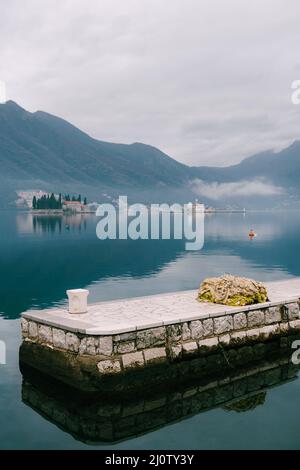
<point>206,81</point>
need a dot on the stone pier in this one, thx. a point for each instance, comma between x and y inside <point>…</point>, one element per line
<point>117,338</point>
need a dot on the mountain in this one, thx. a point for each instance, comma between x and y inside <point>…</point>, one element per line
<point>41,151</point>
<point>282,168</point>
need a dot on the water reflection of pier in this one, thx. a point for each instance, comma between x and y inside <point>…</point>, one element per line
<point>96,418</point>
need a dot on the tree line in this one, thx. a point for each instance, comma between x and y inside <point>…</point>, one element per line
<point>48,201</point>
<point>74,198</point>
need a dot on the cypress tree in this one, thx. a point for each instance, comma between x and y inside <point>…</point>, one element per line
<point>52,202</point>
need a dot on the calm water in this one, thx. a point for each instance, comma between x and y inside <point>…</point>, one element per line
<point>41,257</point>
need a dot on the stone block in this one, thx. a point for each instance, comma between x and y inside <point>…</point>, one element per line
<point>176,352</point>
<point>240,388</point>
<point>208,327</point>
<point>255,318</point>
<point>131,336</point>
<point>196,329</point>
<point>151,337</point>
<point>284,327</point>
<point>215,362</point>
<point>253,334</point>
<point>272,315</point>
<point>105,346</point>
<point>259,350</point>
<point>174,333</point>
<point>255,382</point>
<point>223,324</point>
<point>82,347</point>
<point>45,334</point>
<point>72,342</point>
<point>272,377</point>
<point>291,311</point>
<point>244,355</point>
<point>109,367</point>
<point>132,409</point>
<point>232,356</point>
<point>190,348</point>
<point>239,321</point>
<point>294,325</point>
<point>155,355</point>
<point>154,404</point>
<point>32,329</point>
<point>224,340</point>
<point>59,338</point>
<point>186,332</point>
<point>238,337</point>
<point>223,394</point>
<point>109,410</point>
<point>24,326</point>
<point>133,360</point>
<point>269,331</point>
<point>95,344</point>
<point>89,344</point>
<point>208,345</point>
<point>124,347</point>
<point>190,392</point>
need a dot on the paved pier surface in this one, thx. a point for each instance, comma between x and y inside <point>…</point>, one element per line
<point>126,315</point>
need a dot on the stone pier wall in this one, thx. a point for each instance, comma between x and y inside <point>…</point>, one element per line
<point>172,342</point>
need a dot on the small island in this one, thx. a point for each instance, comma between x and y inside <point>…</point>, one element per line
<point>50,203</point>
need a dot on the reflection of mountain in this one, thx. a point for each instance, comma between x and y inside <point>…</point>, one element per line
<point>43,267</point>
<point>94,418</point>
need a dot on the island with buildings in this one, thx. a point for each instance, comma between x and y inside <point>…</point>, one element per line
<point>44,203</point>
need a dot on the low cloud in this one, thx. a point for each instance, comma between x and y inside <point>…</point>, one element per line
<point>217,190</point>
<point>192,80</point>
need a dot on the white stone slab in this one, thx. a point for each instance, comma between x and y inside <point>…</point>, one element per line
<point>121,316</point>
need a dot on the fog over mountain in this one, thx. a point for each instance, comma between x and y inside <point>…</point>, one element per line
<point>41,151</point>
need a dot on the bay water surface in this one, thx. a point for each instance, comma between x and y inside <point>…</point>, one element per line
<point>43,256</point>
